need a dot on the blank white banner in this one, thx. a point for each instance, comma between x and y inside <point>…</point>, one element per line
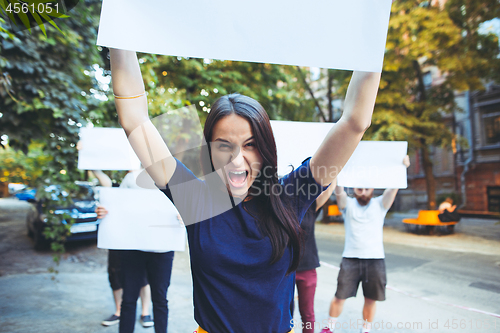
<point>296,141</point>
<point>106,149</point>
<point>139,219</point>
<point>320,33</point>
<point>374,164</point>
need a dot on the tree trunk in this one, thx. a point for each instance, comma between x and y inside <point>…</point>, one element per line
<point>4,190</point>
<point>430,181</point>
<point>308,87</point>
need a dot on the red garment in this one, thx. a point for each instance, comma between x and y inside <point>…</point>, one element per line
<point>306,287</point>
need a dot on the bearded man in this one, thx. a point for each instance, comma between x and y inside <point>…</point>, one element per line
<point>363,259</point>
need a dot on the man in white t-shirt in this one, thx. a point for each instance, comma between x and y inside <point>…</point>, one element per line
<point>363,257</point>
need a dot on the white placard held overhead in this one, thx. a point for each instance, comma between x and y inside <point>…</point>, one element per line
<point>296,141</point>
<point>376,164</point>
<point>288,32</point>
<point>139,219</point>
<point>106,149</point>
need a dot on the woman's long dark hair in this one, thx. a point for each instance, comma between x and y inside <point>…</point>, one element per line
<point>277,219</point>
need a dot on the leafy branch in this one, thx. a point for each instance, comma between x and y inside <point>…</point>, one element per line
<point>40,11</point>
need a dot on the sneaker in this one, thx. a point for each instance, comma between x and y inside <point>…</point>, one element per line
<point>112,320</point>
<point>146,321</point>
<point>326,330</point>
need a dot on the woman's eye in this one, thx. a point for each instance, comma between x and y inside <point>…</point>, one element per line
<point>250,144</point>
<point>224,146</point>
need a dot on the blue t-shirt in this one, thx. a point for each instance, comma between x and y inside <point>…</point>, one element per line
<point>235,287</point>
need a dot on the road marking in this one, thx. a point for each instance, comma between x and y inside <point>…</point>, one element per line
<point>423,298</point>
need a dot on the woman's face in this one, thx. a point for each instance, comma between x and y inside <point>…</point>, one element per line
<point>234,154</point>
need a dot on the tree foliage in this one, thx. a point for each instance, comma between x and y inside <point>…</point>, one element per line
<point>47,92</point>
<point>17,167</point>
<point>176,81</point>
<point>426,37</point>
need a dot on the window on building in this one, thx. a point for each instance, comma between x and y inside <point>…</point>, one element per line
<point>494,198</point>
<point>463,132</point>
<point>491,123</point>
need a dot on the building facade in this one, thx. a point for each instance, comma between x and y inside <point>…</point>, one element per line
<point>479,164</point>
<point>468,172</point>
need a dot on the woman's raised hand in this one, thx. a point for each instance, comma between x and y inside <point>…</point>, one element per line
<point>346,134</point>
<point>132,107</point>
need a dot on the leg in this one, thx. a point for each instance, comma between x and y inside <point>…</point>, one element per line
<point>114,277</point>
<point>306,287</point>
<point>145,294</point>
<point>117,295</point>
<point>336,307</point>
<point>133,270</point>
<point>374,282</point>
<point>369,309</point>
<point>347,286</point>
<point>159,269</point>
<point>115,317</point>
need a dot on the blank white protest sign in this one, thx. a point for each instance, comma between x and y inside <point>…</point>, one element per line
<point>320,33</point>
<point>374,164</point>
<point>139,219</point>
<point>296,141</point>
<point>106,149</point>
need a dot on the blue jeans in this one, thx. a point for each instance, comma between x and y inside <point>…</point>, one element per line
<point>158,268</point>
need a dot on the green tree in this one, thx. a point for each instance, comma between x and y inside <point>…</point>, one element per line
<point>47,92</point>
<point>176,81</point>
<point>17,167</point>
<point>48,89</point>
<point>423,36</point>
<point>336,81</point>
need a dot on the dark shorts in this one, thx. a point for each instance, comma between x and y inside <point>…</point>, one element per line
<point>370,272</point>
<point>115,271</point>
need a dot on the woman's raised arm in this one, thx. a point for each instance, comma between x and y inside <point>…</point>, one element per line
<point>344,137</point>
<point>132,107</point>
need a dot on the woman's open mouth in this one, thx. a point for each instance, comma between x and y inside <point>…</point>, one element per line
<point>237,178</point>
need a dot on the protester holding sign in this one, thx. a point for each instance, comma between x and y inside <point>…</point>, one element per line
<point>115,268</point>
<point>137,268</point>
<point>242,259</point>
<point>363,257</point>
<point>115,276</point>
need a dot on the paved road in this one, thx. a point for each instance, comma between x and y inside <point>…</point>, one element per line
<point>434,281</point>
<point>426,285</point>
<point>79,298</point>
<point>429,277</point>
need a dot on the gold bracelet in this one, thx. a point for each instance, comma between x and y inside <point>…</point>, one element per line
<point>129,97</point>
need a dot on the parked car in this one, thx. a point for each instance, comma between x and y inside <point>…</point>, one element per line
<point>26,194</point>
<point>15,187</point>
<point>82,210</point>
